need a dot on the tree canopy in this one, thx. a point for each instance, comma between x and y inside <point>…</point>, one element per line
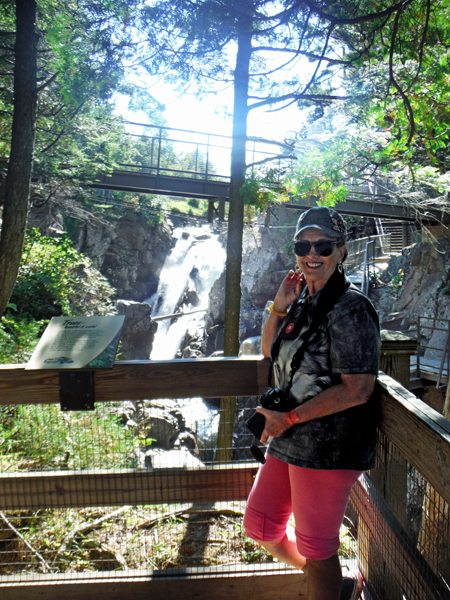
<point>392,128</point>
<point>374,72</point>
<point>61,63</point>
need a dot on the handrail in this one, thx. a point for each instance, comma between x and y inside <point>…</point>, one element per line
<point>428,450</point>
<point>366,266</point>
<point>445,350</point>
<point>207,145</point>
<point>418,431</point>
<point>143,379</point>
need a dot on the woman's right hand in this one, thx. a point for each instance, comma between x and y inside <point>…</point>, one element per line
<point>289,291</point>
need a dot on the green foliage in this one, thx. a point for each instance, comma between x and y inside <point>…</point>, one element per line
<point>397,282</point>
<point>318,173</point>
<point>186,206</point>
<point>399,132</point>
<point>260,192</point>
<point>18,338</point>
<point>55,279</point>
<point>194,202</point>
<point>84,48</point>
<point>375,280</point>
<point>43,437</point>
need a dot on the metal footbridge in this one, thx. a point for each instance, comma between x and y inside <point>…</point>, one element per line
<point>192,164</point>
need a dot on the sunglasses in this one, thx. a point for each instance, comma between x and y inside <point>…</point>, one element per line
<point>322,247</point>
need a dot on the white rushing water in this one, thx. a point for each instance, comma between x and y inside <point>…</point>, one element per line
<point>207,257</point>
<point>196,248</point>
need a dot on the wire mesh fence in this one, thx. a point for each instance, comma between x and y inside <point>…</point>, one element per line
<point>403,531</point>
<point>65,472</point>
<point>136,486</point>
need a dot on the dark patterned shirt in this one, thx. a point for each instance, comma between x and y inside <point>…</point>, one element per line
<point>347,341</point>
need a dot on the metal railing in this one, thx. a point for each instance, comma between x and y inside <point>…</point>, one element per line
<point>433,352</point>
<point>209,152</point>
<point>362,255</point>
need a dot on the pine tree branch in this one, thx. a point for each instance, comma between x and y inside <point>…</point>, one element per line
<point>295,96</point>
<point>395,8</point>
<point>406,102</point>
<point>47,83</point>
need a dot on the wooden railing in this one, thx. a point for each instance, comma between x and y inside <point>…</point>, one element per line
<point>419,434</point>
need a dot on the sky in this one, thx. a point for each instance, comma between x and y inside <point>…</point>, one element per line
<point>213,114</point>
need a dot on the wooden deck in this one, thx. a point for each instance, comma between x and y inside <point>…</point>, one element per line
<point>420,435</point>
<point>428,372</point>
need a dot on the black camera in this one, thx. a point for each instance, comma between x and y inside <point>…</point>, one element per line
<point>272,399</point>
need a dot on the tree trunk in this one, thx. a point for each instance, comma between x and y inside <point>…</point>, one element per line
<point>17,184</point>
<point>235,234</point>
<point>236,211</point>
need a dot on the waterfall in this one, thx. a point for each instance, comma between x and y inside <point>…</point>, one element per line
<point>195,263</point>
<point>196,260</point>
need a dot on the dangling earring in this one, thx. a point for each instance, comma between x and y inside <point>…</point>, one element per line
<point>340,268</point>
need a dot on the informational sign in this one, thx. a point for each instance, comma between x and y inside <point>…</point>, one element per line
<point>78,342</point>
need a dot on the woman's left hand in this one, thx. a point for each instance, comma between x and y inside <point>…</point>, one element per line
<point>276,423</point>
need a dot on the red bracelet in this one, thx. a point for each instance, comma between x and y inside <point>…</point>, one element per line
<point>292,417</point>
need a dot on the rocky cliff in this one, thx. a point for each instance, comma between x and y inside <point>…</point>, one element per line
<point>416,283</point>
<point>129,253</point>
<point>128,249</point>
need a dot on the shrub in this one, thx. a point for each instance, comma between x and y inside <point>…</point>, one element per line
<point>55,279</point>
<point>18,339</point>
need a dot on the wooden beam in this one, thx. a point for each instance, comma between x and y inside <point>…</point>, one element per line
<point>137,380</point>
<point>420,433</point>
<point>240,582</point>
<point>59,489</point>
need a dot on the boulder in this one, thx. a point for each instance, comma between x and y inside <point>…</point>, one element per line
<point>160,426</point>
<point>138,330</point>
<point>250,346</point>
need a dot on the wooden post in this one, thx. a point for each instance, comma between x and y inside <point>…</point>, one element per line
<point>395,357</point>
<point>221,210</point>
<point>405,235</point>
<point>226,428</point>
<point>390,475</point>
<point>210,211</point>
<point>446,411</point>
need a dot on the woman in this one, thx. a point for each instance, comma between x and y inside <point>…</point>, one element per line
<point>323,338</point>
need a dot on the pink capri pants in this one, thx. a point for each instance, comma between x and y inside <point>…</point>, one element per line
<point>318,499</point>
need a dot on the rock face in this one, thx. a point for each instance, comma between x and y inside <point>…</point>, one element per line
<point>130,254</point>
<point>138,330</point>
<point>267,257</point>
<point>424,291</point>
<point>215,318</point>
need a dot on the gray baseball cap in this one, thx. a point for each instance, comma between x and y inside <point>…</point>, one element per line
<point>326,219</point>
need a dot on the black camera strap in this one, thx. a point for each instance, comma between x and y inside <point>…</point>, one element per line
<point>333,290</point>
